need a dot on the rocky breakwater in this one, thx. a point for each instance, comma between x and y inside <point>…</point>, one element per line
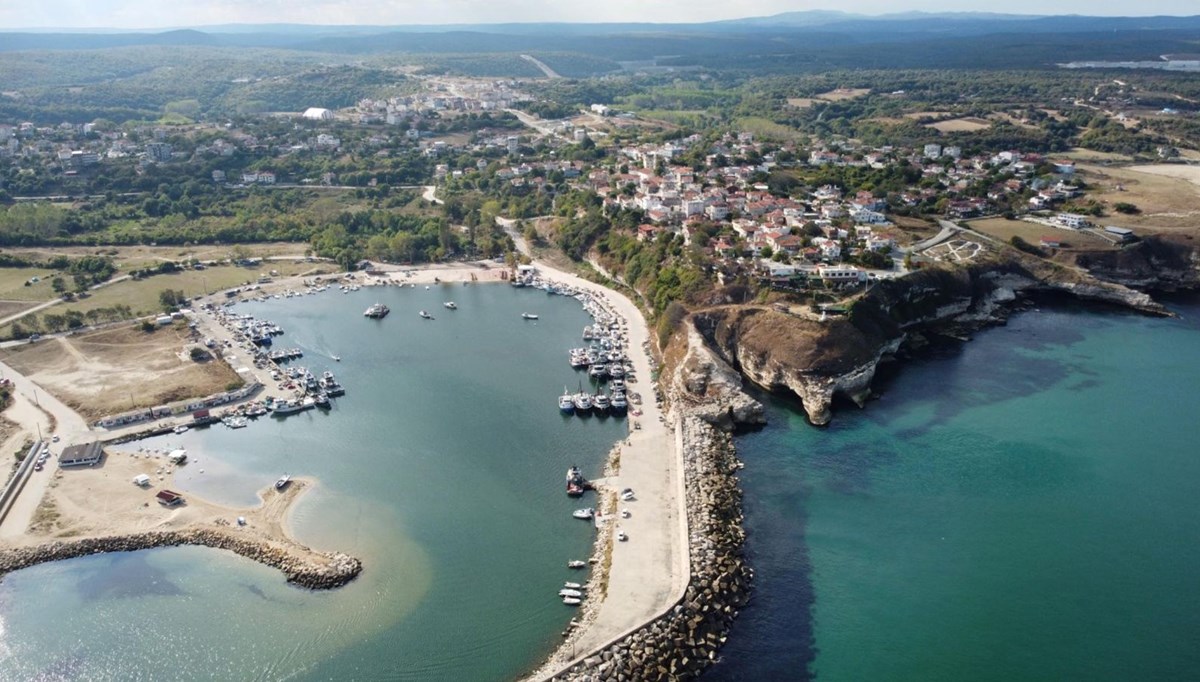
<point>819,361</point>
<point>682,642</point>
<point>302,566</point>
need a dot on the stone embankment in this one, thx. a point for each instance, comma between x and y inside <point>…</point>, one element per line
<point>303,567</point>
<point>686,639</point>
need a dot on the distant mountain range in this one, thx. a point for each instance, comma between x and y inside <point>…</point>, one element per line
<point>787,34</point>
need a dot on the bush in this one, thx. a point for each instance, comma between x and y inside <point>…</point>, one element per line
<point>1126,208</point>
<point>148,326</point>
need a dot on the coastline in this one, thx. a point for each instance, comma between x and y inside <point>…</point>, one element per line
<point>99,509</point>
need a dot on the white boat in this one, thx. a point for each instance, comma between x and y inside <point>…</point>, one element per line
<point>426,316</point>
<point>182,428</point>
<point>583,401</point>
<point>570,593</point>
<point>283,482</point>
<point>565,403</point>
<point>576,564</point>
<point>573,586</point>
<point>376,311</point>
<point>451,305</point>
<point>528,316</point>
<point>600,403</point>
<point>622,537</point>
<point>571,601</point>
<point>337,358</point>
<point>584,513</point>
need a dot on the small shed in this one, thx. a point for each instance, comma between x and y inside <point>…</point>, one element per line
<point>142,480</point>
<point>83,454</point>
<point>169,498</point>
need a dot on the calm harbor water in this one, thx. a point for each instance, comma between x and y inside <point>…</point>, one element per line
<point>442,467</point>
<point>1020,507</point>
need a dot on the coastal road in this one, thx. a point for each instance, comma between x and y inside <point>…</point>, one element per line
<point>34,409</point>
<point>650,569</point>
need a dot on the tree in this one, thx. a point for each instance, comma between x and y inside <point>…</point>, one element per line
<point>1126,208</point>
<point>171,300</point>
<point>59,285</point>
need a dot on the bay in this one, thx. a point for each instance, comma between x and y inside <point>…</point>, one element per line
<point>442,468</point>
<point>1019,507</point>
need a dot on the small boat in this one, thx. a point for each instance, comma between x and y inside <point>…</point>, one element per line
<point>322,400</point>
<point>566,403</point>
<point>573,586</point>
<point>570,593</point>
<point>182,428</point>
<point>283,482</point>
<point>425,315</point>
<point>377,311</point>
<point>571,601</point>
<point>576,564</point>
<point>583,401</point>
<point>528,316</point>
<point>584,514</point>
<point>622,537</point>
<point>451,305</point>
<point>337,358</point>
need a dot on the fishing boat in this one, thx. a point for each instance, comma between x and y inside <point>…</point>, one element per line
<point>576,564</point>
<point>565,403</point>
<point>283,482</point>
<point>377,311</point>
<point>528,316</point>
<point>426,316</point>
<point>600,403</point>
<point>451,305</point>
<point>618,402</point>
<point>584,514</point>
<point>583,402</point>
<point>286,407</point>
<point>576,483</point>
<point>322,400</point>
<point>598,371</point>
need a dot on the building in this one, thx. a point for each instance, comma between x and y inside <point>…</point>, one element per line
<point>839,274</point>
<point>83,454</point>
<point>933,151</point>
<point>158,151</point>
<point>512,143</point>
<point>169,498</point>
<point>1051,242</point>
<point>1120,233</point>
<point>1071,221</point>
<point>317,114</point>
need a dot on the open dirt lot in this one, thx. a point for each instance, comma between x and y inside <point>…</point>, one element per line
<point>114,370</point>
<point>1004,230</point>
<point>958,125</point>
<point>1167,195</point>
<point>842,94</point>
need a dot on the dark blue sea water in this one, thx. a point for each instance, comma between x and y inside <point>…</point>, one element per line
<point>1024,506</point>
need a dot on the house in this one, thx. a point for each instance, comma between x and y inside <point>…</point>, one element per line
<point>1071,221</point>
<point>932,151</point>
<point>841,274</point>
<point>83,454</point>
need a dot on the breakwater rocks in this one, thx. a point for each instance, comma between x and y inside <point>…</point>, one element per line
<point>685,640</point>
<point>303,567</point>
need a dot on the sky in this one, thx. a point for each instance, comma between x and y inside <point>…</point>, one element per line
<point>182,13</point>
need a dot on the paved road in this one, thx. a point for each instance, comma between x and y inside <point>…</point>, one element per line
<point>541,65</point>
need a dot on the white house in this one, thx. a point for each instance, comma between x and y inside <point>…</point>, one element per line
<point>1071,221</point>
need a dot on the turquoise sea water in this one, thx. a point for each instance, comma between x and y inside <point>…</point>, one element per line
<point>1021,507</point>
<point>442,467</point>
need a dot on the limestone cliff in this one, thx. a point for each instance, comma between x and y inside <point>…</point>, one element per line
<point>819,361</point>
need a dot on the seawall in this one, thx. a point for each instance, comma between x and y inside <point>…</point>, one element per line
<point>301,566</point>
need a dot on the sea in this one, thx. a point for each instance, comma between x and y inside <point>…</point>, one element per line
<point>443,468</point>
<point>1022,506</point>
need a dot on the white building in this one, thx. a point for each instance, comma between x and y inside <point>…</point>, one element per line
<point>317,114</point>
<point>1071,221</point>
<point>933,151</point>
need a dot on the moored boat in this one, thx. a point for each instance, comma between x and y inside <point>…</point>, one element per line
<point>600,403</point>
<point>377,311</point>
<point>566,403</point>
<point>584,514</point>
<point>570,593</point>
<point>571,601</point>
<point>283,482</point>
<point>583,402</point>
<point>576,564</point>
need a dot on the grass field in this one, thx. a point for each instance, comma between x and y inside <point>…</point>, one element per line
<point>1005,230</point>
<point>842,94</point>
<point>1167,204</point>
<point>134,257</point>
<point>766,128</point>
<point>958,125</point>
<point>12,284</point>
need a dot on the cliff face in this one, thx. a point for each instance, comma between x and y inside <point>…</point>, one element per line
<point>1153,263</point>
<point>818,361</point>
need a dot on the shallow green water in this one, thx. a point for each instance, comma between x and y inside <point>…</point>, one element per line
<point>442,467</point>
<point>1020,507</point>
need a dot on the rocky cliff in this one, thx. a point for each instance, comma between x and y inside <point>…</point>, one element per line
<point>820,361</point>
<point>1157,263</point>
